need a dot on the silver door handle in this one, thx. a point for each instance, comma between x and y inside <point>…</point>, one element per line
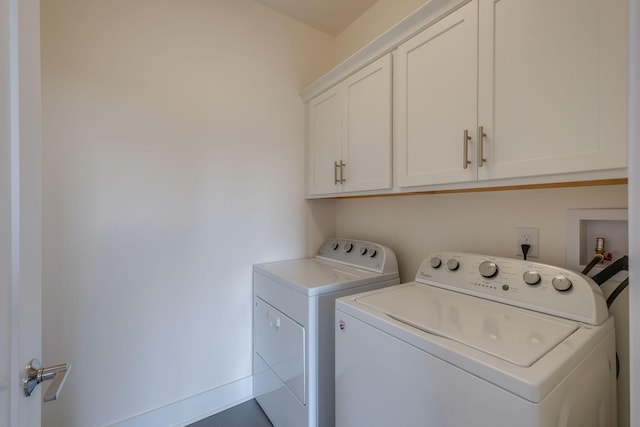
<point>342,165</point>
<point>481,136</point>
<point>34,375</point>
<point>465,149</point>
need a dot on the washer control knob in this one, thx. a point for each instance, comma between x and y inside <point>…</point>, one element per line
<point>373,253</point>
<point>335,245</point>
<point>435,262</point>
<point>348,247</point>
<point>531,277</point>
<point>363,251</point>
<point>488,269</point>
<point>453,264</point>
<point>561,283</point>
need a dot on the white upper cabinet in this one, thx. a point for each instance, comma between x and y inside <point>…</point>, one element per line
<point>349,133</point>
<point>511,89</point>
<point>367,128</point>
<point>552,86</point>
<point>436,76</point>
<point>487,93</point>
<point>324,129</point>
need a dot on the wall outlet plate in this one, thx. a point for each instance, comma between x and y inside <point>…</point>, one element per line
<point>529,236</point>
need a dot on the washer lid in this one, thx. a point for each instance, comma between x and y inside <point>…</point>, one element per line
<point>509,333</point>
<point>313,276</point>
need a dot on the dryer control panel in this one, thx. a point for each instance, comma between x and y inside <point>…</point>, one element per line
<point>534,286</point>
<point>360,254</point>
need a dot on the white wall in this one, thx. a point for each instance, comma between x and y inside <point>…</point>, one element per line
<point>634,203</point>
<point>173,161</point>
<point>20,207</point>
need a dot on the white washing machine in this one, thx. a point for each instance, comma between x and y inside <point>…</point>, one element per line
<point>293,340</point>
<point>477,341</point>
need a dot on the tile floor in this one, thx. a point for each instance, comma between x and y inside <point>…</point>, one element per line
<point>247,414</point>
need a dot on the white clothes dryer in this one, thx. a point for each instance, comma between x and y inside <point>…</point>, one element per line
<point>293,340</point>
<point>477,341</point>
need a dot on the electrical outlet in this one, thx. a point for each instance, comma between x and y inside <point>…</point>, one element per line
<point>529,236</point>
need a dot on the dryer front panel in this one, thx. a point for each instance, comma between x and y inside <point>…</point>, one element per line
<point>280,342</point>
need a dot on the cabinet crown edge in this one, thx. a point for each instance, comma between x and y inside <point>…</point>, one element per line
<point>425,15</point>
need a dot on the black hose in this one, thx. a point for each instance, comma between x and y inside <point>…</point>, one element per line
<point>616,292</point>
<point>606,274</point>
<point>613,269</point>
<point>596,259</point>
<point>621,287</point>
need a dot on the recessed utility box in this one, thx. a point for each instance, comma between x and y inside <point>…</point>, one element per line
<point>585,226</point>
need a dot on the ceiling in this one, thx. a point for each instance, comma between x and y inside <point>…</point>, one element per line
<point>330,16</point>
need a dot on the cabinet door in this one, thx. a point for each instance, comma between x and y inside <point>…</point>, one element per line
<point>366,149</point>
<point>324,114</point>
<point>436,75</point>
<point>553,82</point>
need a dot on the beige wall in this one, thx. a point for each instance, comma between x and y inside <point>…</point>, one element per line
<point>375,21</point>
<point>172,161</point>
<point>483,222</point>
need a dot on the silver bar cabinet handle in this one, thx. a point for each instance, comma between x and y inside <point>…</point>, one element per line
<point>481,136</point>
<point>465,150</point>
<point>34,375</point>
<point>335,173</point>
<point>342,165</point>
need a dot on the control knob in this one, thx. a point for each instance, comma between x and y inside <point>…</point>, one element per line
<point>335,245</point>
<point>531,277</point>
<point>453,264</point>
<point>363,251</point>
<point>561,283</point>
<point>488,269</point>
<point>348,247</point>
<point>373,253</point>
<point>435,262</point>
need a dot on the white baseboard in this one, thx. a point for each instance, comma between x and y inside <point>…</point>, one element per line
<point>195,408</point>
